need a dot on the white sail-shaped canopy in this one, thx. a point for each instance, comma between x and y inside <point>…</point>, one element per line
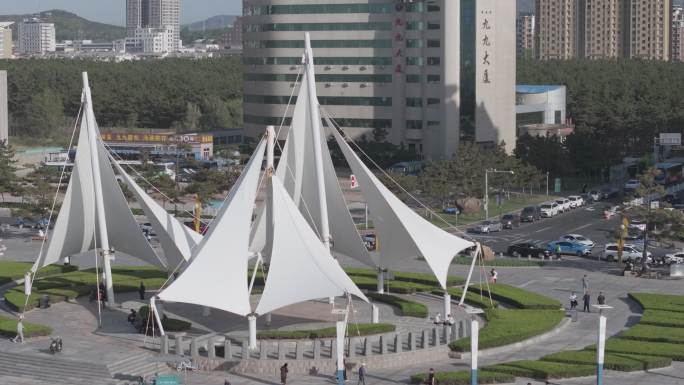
<point>297,171</point>
<point>76,226</point>
<point>301,267</point>
<point>402,233</point>
<point>217,273</point>
<point>176,239</point>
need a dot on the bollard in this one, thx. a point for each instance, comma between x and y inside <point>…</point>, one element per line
<point>424,339</point>
<point>179,348</point>
<point>245,350</point>
<point>435,337</point>
<point>375,317</point>
<point>317,349</point>
<point>263,350</point>
<point>367,347</point>
<point>461,329</point>
<point>411,341</point>
<point>281,350</point>
<point>398,343</point>
<point>333,349</point>
<point>383,344</point>
<point>454,332</point>
<point>352,348</point>
<point>227,350</point>
<point>446,334</point>
<point>164,344</point>
<point>211,349</point>
<point>299,350</point>
<point>194,348</point>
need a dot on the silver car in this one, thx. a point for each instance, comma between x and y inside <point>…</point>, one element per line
<point>488,227</point>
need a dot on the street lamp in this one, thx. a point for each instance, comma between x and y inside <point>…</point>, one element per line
<point>474,337</point>
<point>601,345</point>
<point>487,172</point>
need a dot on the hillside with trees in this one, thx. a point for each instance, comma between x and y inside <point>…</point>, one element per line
<point>69,26</point>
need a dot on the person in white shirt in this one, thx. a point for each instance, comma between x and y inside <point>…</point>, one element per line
<point>495,275</point>
<point>438,319</point>
<point>573,301</point>
<point>449,320</point>
<point>20,330</point>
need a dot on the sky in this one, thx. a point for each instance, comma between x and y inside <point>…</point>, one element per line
<point>114,12</point>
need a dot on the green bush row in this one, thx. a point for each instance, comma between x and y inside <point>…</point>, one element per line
<point>517,297</point>
<point>652,333</point>
<point>399,287</point>
<point>8,328</point>
<point>507,326</point>
<point>462,377</point>
<point>665,302</point>
<point>472,299</point>
<point>406,308</point>
<point>499,262</point>
<point>658,349</point>
<point>542,370</point>
<point>662,318</point>
<point>612,361</point>
<point>421,278</point>
<point>331,332</point>
<point>10,271</point>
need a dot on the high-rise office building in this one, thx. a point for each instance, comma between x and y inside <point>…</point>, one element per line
<point>5,39</point>
<point>650,25</point>
<point>556,32</point>
<point>601,28</point>
<point>4,116</point>
<point>393,66</point>
<point>155,17</point>
<point>525,35</point>
<point>678,34</point>
<point>36,37</point>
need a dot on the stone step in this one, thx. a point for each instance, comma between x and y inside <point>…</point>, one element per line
<point>30,374</point>
<point>54,364</point>
<point>140,364</point>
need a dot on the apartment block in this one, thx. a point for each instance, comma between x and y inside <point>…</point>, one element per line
<point>556,32</point>
<point>525,35</point>
<point>677,53</point>
<point>602,27</point>
<point>649,31</point>
<point>36,37</point>
<point>154,17</point>
<point>5,40</point>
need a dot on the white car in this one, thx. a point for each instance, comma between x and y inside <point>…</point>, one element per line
<point>637,225</point>
<point>629,253</point>
<point>549,210</point>
<point>561,206</point>
<point>674,258</point>
<point>595,195</point>
<point>632,184</point>
<point>575,201</point>
<point>577,238</point>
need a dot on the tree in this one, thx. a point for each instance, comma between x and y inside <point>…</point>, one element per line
<point>45,114</point>
<point>8,177</point>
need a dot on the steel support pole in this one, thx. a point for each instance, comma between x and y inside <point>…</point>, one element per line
<point>600,349</point>
<point>474,332</point>
<point>341,328</point>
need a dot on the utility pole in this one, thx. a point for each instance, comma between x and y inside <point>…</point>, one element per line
<point>547,183</point>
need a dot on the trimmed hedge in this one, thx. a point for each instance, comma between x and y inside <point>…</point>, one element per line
<point>420,278</point>
<point>462,377</point>
<point>662,318</point>
<point>406,308</point>
<point>331,332</point>
<point>499,262</point>
<point>10,271</point>
<point>398,287</point>
<point>652,333</point>
<point>507,326</point>
<point>612,361</point>
<point>516,297</point>
<point>472,299</point>
<point>8,328</point>
<point>542,370</point>
<point>658,349</point>
<point>665,302</point>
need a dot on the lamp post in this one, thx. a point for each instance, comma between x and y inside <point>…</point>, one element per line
<point>547,183</point>
<point>474,337</point>
<point>487,172</point>
<point>601,344</point>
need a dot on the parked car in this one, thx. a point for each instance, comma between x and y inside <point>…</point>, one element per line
<point>595,195</point>
<point>509,221</point>
<point>561,205</point>
<point>637,224</point>
<point>632,185</point>
<point>570,248</point>
<point>577,238</point>
<point>488,227</point>
<point>450,210</point>
<point>629,253</point>
<point>530,214</point>
<point>674,258</point>
<point>370,241</point>
<point>575,201</point>
<point>549,210</point>
<point>587,198</point>
<point>527,249</point>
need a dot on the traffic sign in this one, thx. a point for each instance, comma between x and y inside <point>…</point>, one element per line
<point>354,182</point>
<point>671,139</point>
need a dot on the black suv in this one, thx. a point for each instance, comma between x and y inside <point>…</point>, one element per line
<point>510,221</point>
<point>527,249</point>
<point>530,214</point>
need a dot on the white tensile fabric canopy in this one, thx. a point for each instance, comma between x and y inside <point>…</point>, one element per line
<point>402,233</point>
<point>301,267</point>
<point>217,273</point>
<point>176,239</point>
<point>76,225</point>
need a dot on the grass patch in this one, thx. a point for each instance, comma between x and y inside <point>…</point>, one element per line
<point>516,297</point>
<point>499,262</point>
<point>406,308</point>
<point>652,333</point>
<point>659,301</point>
<point>612,361</point>
<point>662,318</point>
<point>472,299</point>
<point>419,278</point>
<point>363,329</point>
<point>542,370</point>
<point>399,287</point>
<point>658,349</point>
<point>11,271</point>
<point>169,324</point>
<point>507,326</point>
<point>462,377</point>
<point>8,328</point>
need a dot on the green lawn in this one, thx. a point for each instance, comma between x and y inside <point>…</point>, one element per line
<point>662,318</point>
<point>10,271</point>
<point>542,370</point>
<point>499,262</point>
<point>659,301</point>
<point>652,333</point>
<point>420,278</point>
<point>405,307</point>
<point>8,328</point>
<point>462,377</point>
<point>517,297</point>
<point>353,331</point>
<point>659,349</point>
<point>612,361</point>
<point>514,204</point>
<point>507,326</point>
<point>472,299</point>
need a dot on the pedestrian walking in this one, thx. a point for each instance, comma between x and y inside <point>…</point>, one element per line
<point>362,374</point>
<point>559,254</point>
<point>283,374</point>
<point>20,330</point>
<point>141,291</point>
<point>494,274</point>
<point>431,377</point>
<point>585,283</point>
<point>438,319</point>
<point>573,301</point>
<point>601,299</point>
<point>587,300</point>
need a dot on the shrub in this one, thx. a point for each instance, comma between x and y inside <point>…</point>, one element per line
<point>406,308</point>
<point>8,328</point>
<point>398,287</point>
<point>462,377</point>
<point>659,349</point>
<point>506,326</point>
<point>654,334</point>
<point>502,262</point>
<point>420,278</point>
<point>612,361</point>
<point>472,299</point>
<point>516,297</point>
<point>662,318</point>
<point>659,301</point>
<point>542,370</point>
<point>363,330</point>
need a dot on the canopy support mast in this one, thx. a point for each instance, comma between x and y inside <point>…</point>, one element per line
<point>103,238</point>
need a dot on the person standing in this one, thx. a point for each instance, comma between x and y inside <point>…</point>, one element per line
<point>20,330</point>
<point>495,275</point>
<point>559,254</point>
<point>601,299</point>
<point>438,319</point>
<point>141,291</point>
<point>431,377</point>
<point>585,283</point>
<point>573,301</point>
<point>362,374</point>
<point>587,300</point>
<point>283,374</point>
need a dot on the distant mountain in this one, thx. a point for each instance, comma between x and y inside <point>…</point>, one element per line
<point>214,22</point>
<point>69,26</point>
<point>526,5</point>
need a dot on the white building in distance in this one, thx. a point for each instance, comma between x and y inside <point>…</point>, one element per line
<point>146,20</point>
<point>36,37</point>
<point>4,116</point>
<point>5,39</point>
